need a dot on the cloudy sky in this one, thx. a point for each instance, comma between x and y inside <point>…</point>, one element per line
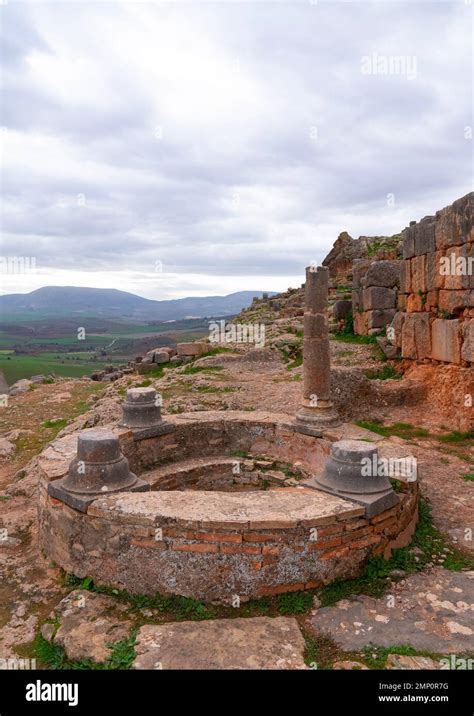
<point>175,149</point>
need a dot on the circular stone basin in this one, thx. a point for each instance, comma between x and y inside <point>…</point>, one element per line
<point>226,474</point>
<point>202,533</point>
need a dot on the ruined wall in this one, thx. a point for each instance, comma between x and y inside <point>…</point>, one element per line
<point>435,320</point>
<point>374,294</point>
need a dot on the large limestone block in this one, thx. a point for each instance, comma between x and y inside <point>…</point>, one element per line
<point>190,349</point>
<point>415,302</point>
<point>381,318</point>
<point>161,357</point>
<point>383,273</point>
<point>416,339</point>
<point>356,300</point>
<point>425,236</point>
<point>341,309</point>
<point>446,340</point>
<point>434,277</point>
<point>409,241</point>
<point>402,301</point>
<point>458,267</point>
<point>361,323</point>
<point>452,301</point>
<point>431,300</point>
<point>377,297</point>
<point>454,224</point>
<point>467,351</point>
<point>359,270</point>
<point>418,274</point>
<point>257,643</point>
<point>405,277</point>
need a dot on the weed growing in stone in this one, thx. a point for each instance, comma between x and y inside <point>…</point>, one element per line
<point>294,602</point>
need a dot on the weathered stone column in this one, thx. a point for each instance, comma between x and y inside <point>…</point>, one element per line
<point>317,411</point>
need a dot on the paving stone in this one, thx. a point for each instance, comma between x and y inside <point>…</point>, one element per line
<point>434,611</point>
<point>256,643</point>
<point>88,623</point>
<point>399,661</point>
<point>349,666</point>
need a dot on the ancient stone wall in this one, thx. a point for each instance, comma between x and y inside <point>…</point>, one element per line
<point>374,295</point>
<point>435,320</point>
<point>201,545</point>
<point>213,545</point>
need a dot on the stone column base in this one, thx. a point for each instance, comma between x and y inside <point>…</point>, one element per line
<point>313,421</point>
<point>81,501</point>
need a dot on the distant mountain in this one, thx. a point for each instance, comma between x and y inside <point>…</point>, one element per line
<point>111,303</point>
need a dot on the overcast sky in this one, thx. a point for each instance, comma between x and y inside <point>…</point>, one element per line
<point>176,149</point>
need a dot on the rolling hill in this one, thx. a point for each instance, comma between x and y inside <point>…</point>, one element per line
<point>62,301</point>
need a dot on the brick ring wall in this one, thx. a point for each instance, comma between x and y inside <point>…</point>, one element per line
<point>215,545</point>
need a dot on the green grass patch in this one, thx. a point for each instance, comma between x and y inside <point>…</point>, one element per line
<point>296,362</point>
<point>401,430</point>
<point>352,338</point>
<point>385,373</point>
<point>469,477</point>
<point>53,656</point>
<point>294,602</point>
<point>214,389</point>
<point>55,423</point>
<point>457,437</point>
<point>298,334</point>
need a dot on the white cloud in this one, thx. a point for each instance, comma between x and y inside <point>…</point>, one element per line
<point>230,142</point>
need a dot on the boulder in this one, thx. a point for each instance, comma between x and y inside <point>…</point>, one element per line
<point>38,378</point>
<point>21,386</point>
<point>161,357</point>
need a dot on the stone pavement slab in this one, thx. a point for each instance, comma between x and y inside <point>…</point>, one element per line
<point>432,611</point>
<point>254,643</point>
